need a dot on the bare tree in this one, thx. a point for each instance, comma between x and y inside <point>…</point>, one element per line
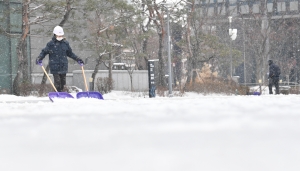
<point>106,22</point>
<point>156,14</point>
<point>206,41</point>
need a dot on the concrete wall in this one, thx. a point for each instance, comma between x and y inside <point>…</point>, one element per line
<point>121,79</point>
<point>36,78</point>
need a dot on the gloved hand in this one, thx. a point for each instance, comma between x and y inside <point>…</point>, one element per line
<point>80,61</point>
<point>39,61</point>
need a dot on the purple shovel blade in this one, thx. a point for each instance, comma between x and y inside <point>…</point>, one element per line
<point>256,93</point>
<point>89,94</point>
<point>60,95</point>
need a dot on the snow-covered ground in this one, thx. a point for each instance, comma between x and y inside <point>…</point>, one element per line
<point>128,132</point>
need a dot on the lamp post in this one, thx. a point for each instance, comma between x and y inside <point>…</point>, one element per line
<point>230,33</point>
<point>169,50</point>
<point>169,56</point>
<point>244,47</point>
<point>244,53</point>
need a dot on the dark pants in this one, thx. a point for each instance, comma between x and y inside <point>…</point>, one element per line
<point>274,81</point>
<point>59,81</point>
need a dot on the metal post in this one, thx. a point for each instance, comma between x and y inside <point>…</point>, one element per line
<point>230,59</point>
<point>169,57</point>
<point>265,30</point>
<point>244,54</point>
<point>230,20</point>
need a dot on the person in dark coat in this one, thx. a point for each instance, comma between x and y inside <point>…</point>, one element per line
<point>274,73</point>
<point>58,50</point>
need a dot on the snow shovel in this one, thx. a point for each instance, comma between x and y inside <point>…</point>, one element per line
<point>87,93</point>
<point>52,95</point>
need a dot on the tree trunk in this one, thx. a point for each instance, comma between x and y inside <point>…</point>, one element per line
<point>99,61</point>
<point>161,64</point>
<point>190,56</point>
<point>22,77</point>
<point>189,72</point>
<point>144,47</point>
<point>131,81</point>
<point>110,80</point>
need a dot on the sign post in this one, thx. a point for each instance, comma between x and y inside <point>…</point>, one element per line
<point>151,78</point>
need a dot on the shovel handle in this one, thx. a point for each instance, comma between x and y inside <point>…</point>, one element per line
<point>48,78</point>
<point>86,87</point>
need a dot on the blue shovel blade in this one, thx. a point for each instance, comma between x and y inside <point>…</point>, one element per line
<point>89,94</point>
<point>60,95</point>
<point>256,93</point>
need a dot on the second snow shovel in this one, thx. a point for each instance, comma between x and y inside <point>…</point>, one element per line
<point>52,95</point>
<point>87,93</point>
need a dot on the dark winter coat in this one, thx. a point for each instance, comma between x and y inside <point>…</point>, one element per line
<point>58,52</point>
<point>274,70</point>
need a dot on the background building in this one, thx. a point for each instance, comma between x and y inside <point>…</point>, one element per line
<point>267,29</point>
<point>11,23</point>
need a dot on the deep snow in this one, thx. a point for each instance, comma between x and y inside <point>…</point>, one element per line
<point>128,132</point>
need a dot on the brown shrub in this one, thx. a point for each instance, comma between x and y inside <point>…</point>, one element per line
<point>103,85</point>
<point>208,82</point>
<point>294,90</point>
<point>162,91</point>
<point>217,86</point>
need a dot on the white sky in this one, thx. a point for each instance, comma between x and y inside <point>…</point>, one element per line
<point>127,132</point>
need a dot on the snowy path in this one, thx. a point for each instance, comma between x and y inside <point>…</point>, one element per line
<point>207,133</point>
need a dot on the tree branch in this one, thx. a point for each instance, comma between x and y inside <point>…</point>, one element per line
<point>35,8</point>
